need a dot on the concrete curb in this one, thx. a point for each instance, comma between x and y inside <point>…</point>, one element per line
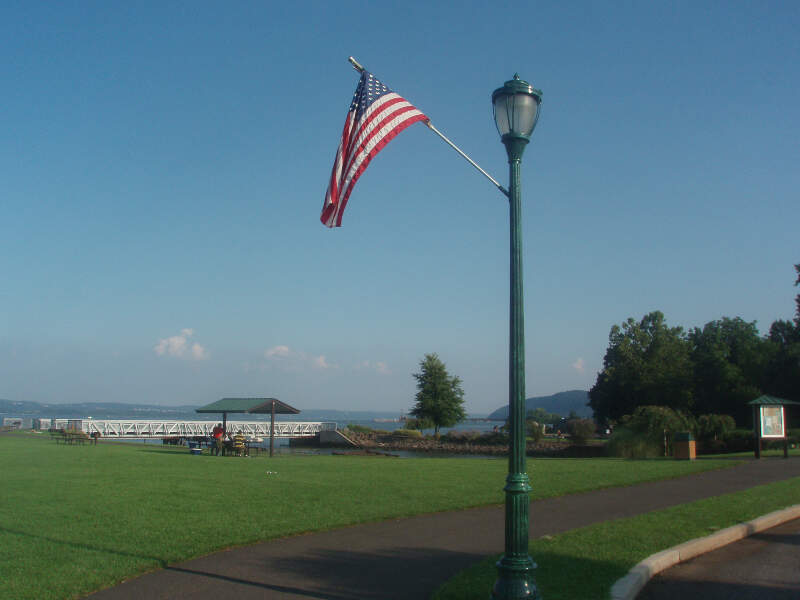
<point>629,586</point>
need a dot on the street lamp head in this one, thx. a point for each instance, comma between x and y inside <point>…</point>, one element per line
<point>516,110</point>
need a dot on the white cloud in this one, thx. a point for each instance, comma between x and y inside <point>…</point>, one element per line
<point>578,365</point>
<point>174,346</point>
<point>321,363</point>
<point>296,359</point>
<point>379,367</point>
<point>198,352</point>
<point>178,346</point>
<point>277,351</point>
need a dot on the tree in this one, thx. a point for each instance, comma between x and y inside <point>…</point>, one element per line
<point>440,398</point>
<point>542,416</point>
<point>533,430</point>
<point>714,427</point>
<point>646,363</point>
<point>797,298</point>
<point>729,361</point>
<point>648,432</point>
<point>783,370</point>
<point>581,430</point>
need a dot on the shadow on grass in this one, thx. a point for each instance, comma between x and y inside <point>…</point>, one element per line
<point>558,577</point>
<point>84,546</point>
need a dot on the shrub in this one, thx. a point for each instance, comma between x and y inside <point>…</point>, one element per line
<point>712,446</point>
<point>581,430</point>
<point>408,433</point>
<point>714,427</point>
<point>419,424</point>
<point>461,436</point>
<point>626,443</point>
<point>493,438</point>
<point>533,430</point>
<point>656,421</point>
<point>658,425</point>
<point>738,440</point>
<point>359,428</point>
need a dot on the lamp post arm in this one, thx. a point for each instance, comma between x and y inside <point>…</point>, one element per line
<point>467,158</point>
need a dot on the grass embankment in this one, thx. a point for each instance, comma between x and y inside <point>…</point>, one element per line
<point>585,563</point>
<point>74,519</point>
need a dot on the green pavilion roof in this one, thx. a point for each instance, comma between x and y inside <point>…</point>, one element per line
<point>248,405</point>
<point>771,401</point>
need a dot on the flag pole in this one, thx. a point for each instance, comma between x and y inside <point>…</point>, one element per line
<point>358,67</point>
<point>468,159</point>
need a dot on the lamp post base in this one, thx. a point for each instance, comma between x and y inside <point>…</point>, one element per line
<point>515,579</point>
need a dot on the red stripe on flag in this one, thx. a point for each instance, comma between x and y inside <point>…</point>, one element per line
<point>361,141</point>
<point>378,147</point>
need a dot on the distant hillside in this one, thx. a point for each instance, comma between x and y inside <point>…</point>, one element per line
<point>118,410</point>
<point>561,404</point>
<point>99,410</point>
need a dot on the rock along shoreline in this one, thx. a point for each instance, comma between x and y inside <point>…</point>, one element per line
<point>372,443</point>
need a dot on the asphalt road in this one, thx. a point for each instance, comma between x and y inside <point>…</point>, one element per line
<point>764,566</point>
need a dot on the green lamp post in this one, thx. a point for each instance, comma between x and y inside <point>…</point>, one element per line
<point>516,110</point>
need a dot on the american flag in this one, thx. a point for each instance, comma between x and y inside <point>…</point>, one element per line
<point>376,115</point>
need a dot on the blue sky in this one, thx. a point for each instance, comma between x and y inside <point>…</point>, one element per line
<point>163,167</point>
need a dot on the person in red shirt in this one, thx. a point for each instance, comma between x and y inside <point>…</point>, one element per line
<point>217,433</point>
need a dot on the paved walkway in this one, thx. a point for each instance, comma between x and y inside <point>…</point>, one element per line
<point>407,559</point>
<point>764,566</point>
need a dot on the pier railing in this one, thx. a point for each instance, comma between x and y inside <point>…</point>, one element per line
<point>143,429</point>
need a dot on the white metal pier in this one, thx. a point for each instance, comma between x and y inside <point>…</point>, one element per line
<point>144,429</point>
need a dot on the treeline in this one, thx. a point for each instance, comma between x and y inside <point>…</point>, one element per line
<point>714,369</point>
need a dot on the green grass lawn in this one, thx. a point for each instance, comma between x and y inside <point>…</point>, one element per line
<point>585,563</point>
<point>74,519</point>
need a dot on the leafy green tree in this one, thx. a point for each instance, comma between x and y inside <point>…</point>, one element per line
<point>783,370</point>
<point>581,430</point>
<point>533,430</point>
<point>714,427</point>
<point>729,360</point>
<point>440,398</point>
<point>646,363</point>
<point>542,416</point>
<point>653,421</point>
<point>797,298</point>
<point>649,431</point>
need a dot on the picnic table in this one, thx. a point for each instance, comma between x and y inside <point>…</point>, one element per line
<point>70,437</point>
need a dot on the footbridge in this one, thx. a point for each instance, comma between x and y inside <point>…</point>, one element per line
<point>145,429</point>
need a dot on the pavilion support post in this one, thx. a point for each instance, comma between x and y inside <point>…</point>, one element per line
<point>224,430</point>
<point>272,431</point>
